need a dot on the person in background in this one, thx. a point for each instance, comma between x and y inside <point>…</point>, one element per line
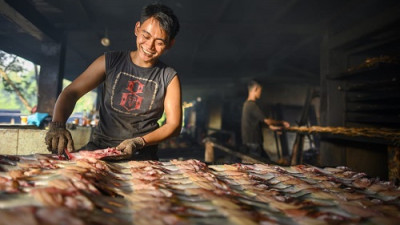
<point>137,88</point>
<point>253,119</point>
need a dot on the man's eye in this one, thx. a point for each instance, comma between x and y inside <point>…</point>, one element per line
<point>160,43</point>
<point>146,36</point>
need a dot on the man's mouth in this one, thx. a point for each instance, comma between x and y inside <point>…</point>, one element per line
<point>148,53</point>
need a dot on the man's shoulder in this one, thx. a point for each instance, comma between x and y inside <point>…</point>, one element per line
<point>250,105</point>
<point>166,68</point>
<point>250,102</point>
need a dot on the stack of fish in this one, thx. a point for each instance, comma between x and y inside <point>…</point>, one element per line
<point>43,189</point>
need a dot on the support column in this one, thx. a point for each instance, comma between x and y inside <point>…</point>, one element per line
<point>331,103</point>
<point>394,164</point>
<point>51,75</point>
<point>209,152</point>
<point>214,107</point>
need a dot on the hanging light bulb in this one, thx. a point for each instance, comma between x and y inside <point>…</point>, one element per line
<point>105,41</point>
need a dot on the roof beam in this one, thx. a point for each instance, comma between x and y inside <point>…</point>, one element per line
<point>10,13</point>
<point>24,14</point>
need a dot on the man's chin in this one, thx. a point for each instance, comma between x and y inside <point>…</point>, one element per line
<point>146,58</point>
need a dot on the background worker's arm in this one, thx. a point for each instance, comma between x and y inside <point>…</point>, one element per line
<point>276,124</point>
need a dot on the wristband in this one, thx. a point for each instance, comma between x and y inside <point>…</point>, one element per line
<point>54,125</point>
<point>144,142</point>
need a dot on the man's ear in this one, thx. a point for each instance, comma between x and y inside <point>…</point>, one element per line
<point>171,43</point>
<point>137,26</point>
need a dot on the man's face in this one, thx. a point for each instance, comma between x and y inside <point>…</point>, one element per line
<point>151,41</point>
<point>257,91</point>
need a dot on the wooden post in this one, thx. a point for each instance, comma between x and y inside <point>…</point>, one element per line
<point>297,152</point>
<point>51,75</point>
<point>394,164</point>
<point>209,152</point>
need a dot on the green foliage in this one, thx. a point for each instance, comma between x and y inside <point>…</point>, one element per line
<point>9,62</point>
<point>21,73</point>
<point>9,100</point>
<point>86,103</point>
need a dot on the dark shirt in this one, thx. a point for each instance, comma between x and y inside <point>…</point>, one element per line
<point>252,122</point>
<point>132,99</point>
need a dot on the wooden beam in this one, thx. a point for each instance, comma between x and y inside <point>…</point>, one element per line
<point>23,13</point>
<point>20,20</point>
<point>210,145</point>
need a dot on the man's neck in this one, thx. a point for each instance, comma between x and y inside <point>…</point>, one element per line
<point>251,98</point>
<point>137,61</point>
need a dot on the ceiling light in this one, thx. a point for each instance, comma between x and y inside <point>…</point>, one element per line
<point>105,41</point>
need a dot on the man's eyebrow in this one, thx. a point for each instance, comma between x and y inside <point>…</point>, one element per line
<point>161,39</point>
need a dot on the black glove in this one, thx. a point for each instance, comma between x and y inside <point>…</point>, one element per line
<point>58,138</point>
<point>130,145</point>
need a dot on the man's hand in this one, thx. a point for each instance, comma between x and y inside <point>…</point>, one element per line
<point>283,124</point>
<point>58,138</point>
<point>275,128</point>
<point>286,124</point>
<point>130,145</point>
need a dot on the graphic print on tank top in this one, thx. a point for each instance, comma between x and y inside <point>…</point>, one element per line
<point>132,94</point>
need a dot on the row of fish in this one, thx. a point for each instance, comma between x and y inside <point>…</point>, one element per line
<point>87,190</point>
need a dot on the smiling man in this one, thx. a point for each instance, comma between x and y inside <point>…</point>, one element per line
<point>137,89</point>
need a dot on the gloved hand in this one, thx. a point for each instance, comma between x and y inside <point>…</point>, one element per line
<point>58,138</point>
<point>130,145</point>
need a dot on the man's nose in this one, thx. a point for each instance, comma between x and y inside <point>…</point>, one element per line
<point>151,44</point>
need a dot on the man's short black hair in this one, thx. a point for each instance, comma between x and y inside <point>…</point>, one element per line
<point>253,83</point>
<point>165,16</point>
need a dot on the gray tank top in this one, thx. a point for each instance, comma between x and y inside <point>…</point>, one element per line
<point>132,99</point>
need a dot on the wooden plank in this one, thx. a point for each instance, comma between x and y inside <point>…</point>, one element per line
<point>382,85</point>
<point>377,108</point>
<point>373,118</point>
<point>391,97</point>
<point>20,20</point>
<point>245,158</point>
<point>35,19</point>
<point>376,72</point>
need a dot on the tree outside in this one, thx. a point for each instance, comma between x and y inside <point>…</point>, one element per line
<point>19,86</point>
